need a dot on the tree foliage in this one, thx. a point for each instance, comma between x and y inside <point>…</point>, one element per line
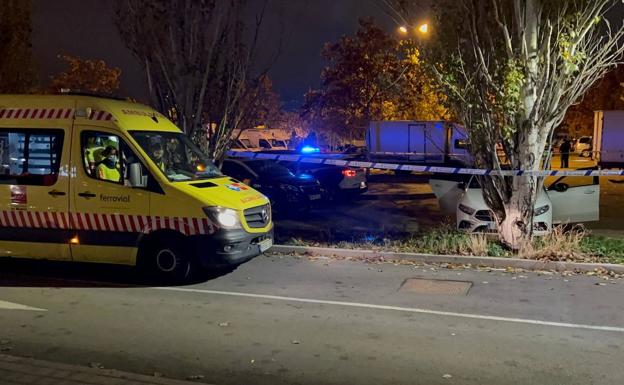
<point>371,76</point>
<point>86,75</point>
<point>17,69</point>
<point>197,57</point>
<point>512,68</point>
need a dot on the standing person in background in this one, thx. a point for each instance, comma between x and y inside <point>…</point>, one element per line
<point>564,149</point>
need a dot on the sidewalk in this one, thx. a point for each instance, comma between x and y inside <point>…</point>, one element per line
<point>28,371</point>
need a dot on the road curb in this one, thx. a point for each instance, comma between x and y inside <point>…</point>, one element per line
<point>495,262</point>
<point>33,371</point>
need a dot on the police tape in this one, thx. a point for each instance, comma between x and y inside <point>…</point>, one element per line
<point>334,160</point>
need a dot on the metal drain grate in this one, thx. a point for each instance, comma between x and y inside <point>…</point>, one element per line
<point>435,286</point>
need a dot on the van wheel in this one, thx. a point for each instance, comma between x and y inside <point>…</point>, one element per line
<point>167,262</point>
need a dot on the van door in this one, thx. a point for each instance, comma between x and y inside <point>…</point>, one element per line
<point>575,199</point>
<point>34,193</point>
<point>108,213</point>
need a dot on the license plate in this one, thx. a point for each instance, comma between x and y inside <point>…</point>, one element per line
<point>315,197</point>
<point>265,244</point>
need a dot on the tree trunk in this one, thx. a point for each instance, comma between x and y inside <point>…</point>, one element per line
<point>516,229</point>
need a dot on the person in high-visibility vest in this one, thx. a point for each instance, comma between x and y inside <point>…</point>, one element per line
<point>157,156</point>
<point>108,169</point>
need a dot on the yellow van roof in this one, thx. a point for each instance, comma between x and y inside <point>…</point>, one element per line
<point>85,109</point>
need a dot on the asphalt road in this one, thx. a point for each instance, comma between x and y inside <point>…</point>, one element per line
<point>287,320</point>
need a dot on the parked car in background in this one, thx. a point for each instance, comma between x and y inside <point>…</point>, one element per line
<point>583,146</point>
<point>243,144</point>
<point>287,192</point>
<point>566,199</point>
<point>339,182</point>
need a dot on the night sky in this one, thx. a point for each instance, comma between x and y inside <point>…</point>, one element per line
<point>85,28</point>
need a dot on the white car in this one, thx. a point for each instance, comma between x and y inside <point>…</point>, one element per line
<point>567,199</point>
<point>583,146</point>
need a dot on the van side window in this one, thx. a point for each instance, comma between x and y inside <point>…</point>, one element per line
<point>101,156</point>
<point>30,157</point>
<point>107,157</point>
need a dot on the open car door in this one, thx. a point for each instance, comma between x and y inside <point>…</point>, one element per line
<point>448,192</point>
<point>575,199</point>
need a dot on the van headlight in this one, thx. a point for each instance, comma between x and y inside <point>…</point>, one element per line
<point>224,217</point>
<point>541,210</point>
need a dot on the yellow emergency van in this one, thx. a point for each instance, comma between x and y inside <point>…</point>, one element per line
<point>101,180</point>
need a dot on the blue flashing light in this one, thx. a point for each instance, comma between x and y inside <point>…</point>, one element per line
<point>310,150</point>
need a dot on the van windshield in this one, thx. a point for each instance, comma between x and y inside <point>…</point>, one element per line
<point>176,156</point>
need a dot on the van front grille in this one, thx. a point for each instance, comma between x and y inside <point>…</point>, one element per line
<point>257,217</point>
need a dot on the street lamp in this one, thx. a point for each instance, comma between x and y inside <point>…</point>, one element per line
<point>422,29</point>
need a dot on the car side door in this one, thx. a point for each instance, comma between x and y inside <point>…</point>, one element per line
<point>449,193</point>
<point>575,199</point>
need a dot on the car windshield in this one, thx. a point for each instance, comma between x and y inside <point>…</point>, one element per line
<point>176,156</point>
<point>268,168</point>
<point>585,140</point>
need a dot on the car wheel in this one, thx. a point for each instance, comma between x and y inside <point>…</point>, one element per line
<point>585,154</point>
<point>168,262</point>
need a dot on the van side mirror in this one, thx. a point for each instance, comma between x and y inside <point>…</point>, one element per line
<point>461,185</point>
<point>461,144</point>
<point>135,173</point>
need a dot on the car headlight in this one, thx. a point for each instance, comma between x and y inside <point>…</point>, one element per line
<point>541,210</point>
<point>224,217</point>
<point>466,209</point>
<point>289,187</point>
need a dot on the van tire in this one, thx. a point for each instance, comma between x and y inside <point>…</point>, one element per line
<point>166,261</point>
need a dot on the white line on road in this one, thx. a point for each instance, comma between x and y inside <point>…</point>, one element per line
<point>16,306</point>
<point>399,308</point>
